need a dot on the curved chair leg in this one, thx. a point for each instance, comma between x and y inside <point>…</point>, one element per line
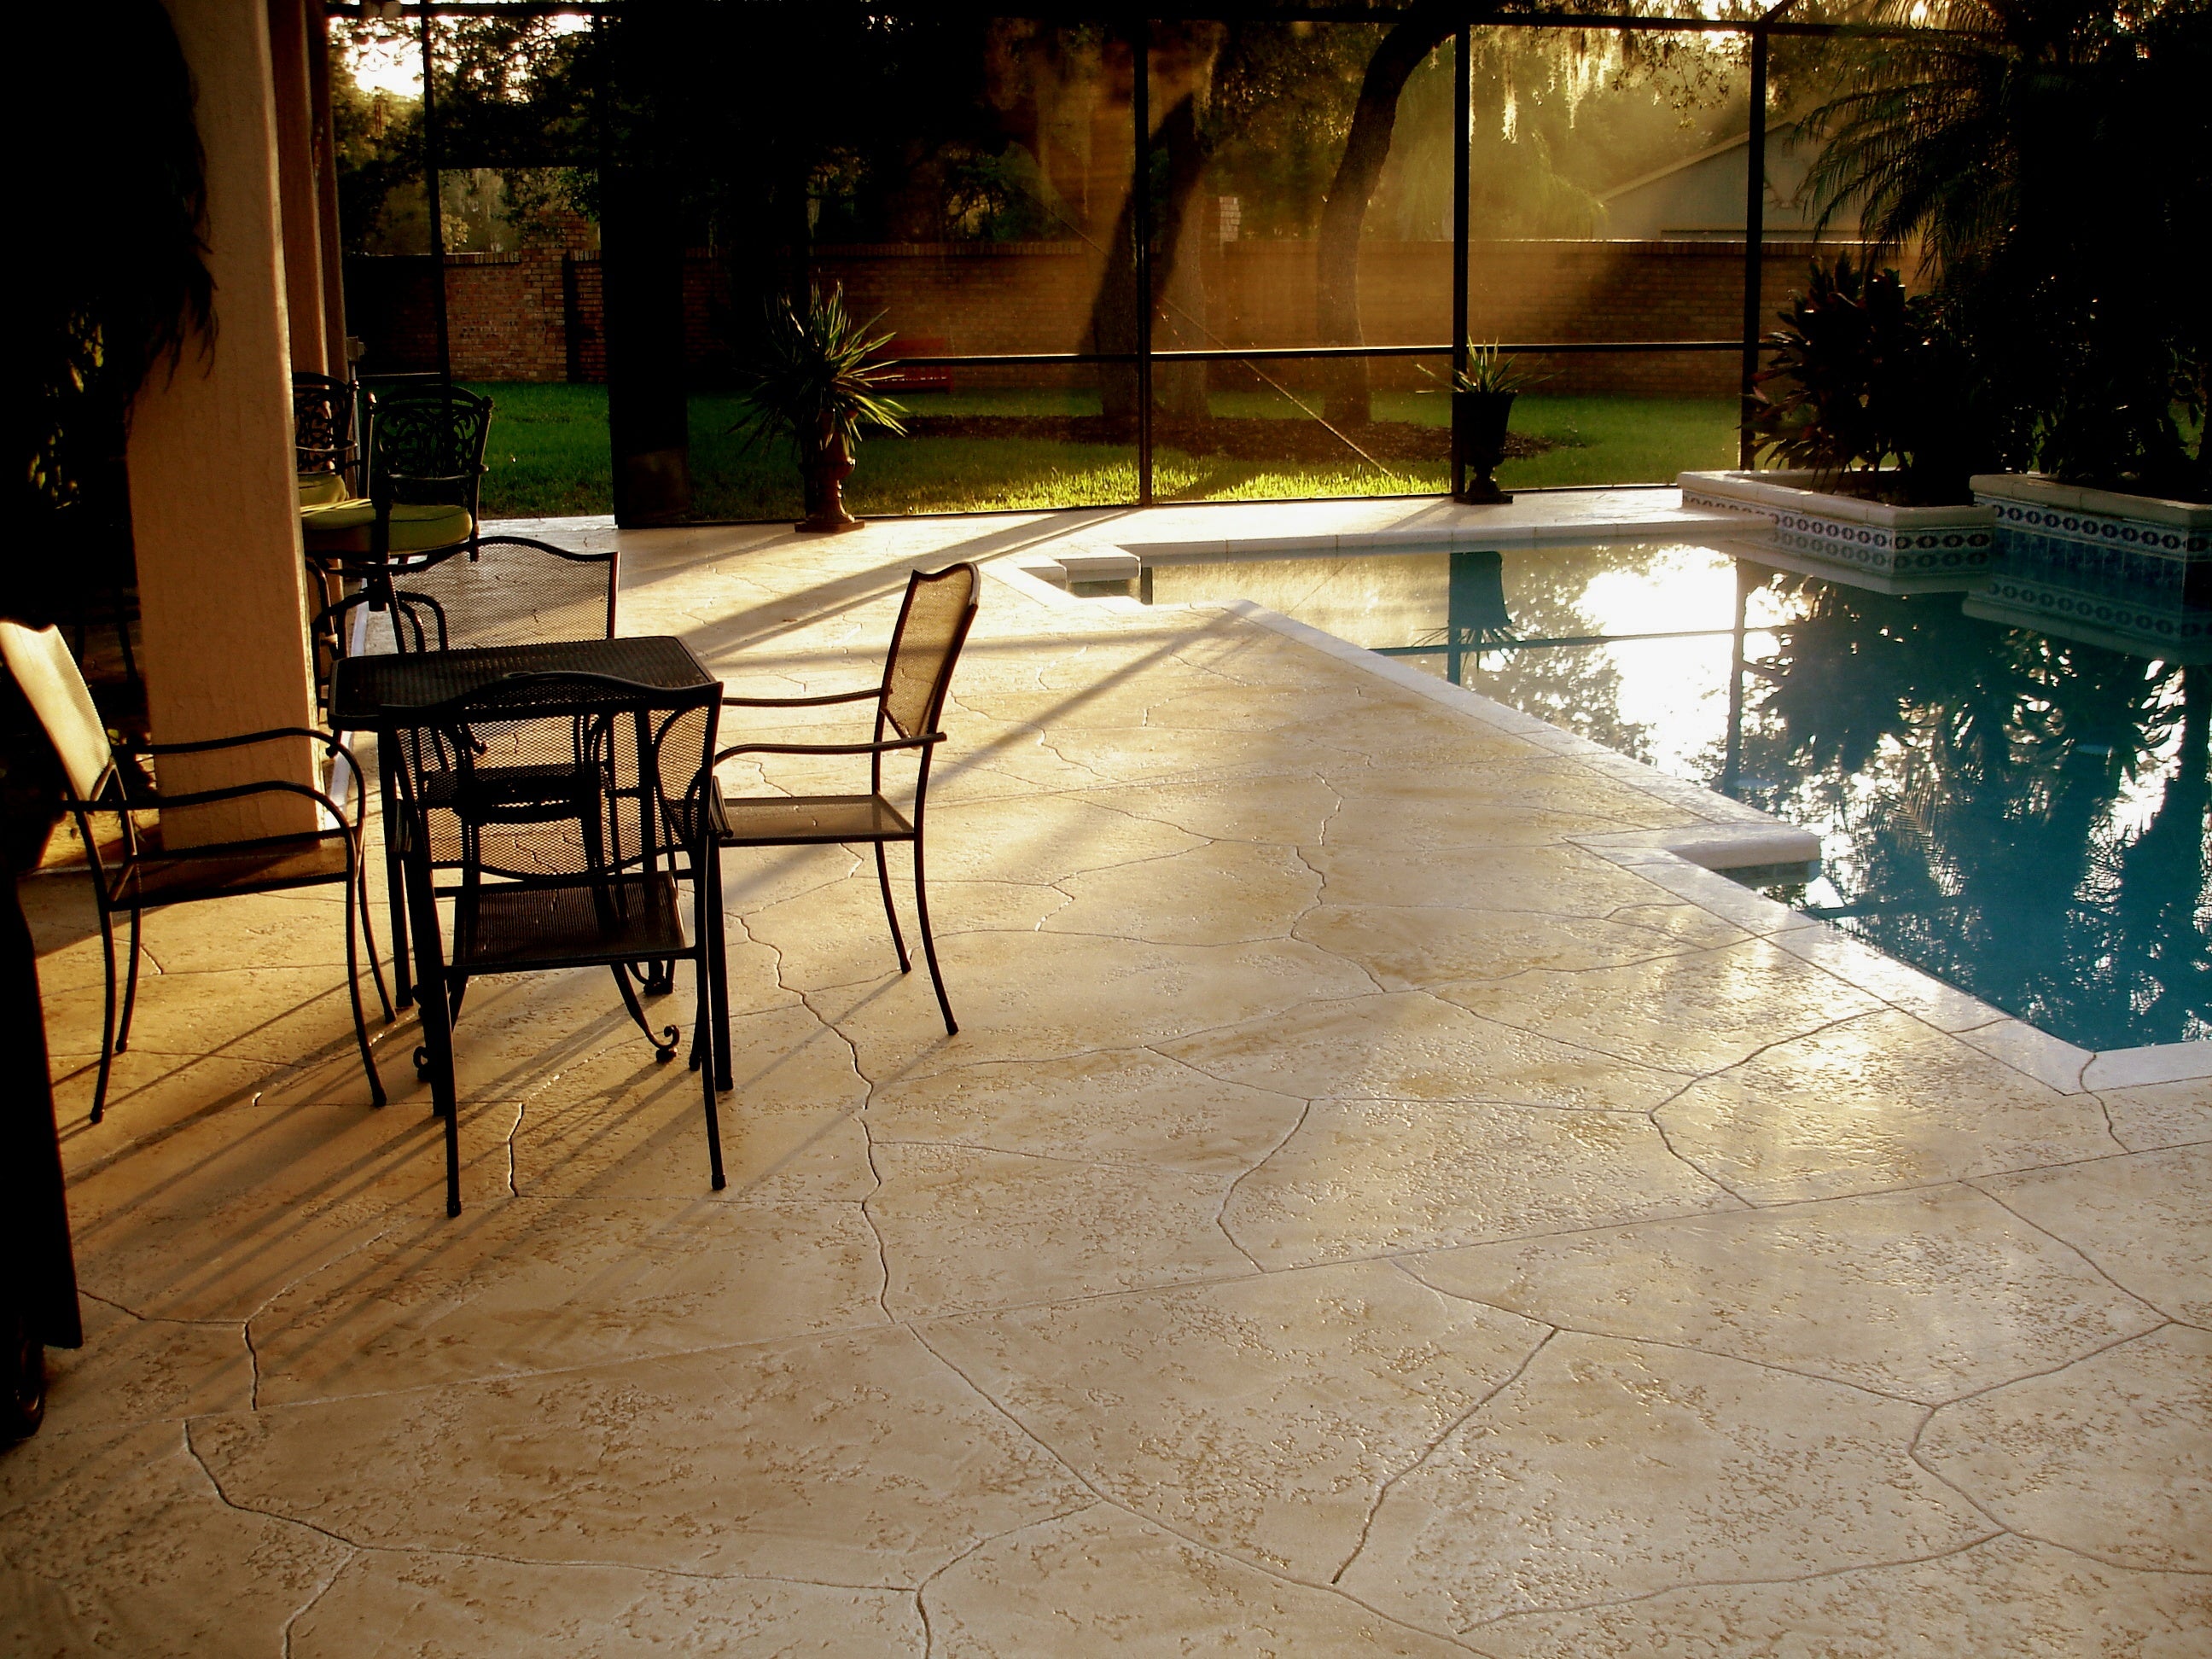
<point>353,989</point>
<point>928,944</point>
<point>890,910</point>
<point>130,989</point>
<point>107,1015</point>
<point>664,1045</point>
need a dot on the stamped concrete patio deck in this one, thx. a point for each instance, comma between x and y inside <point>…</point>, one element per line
<point>1376,1204</point>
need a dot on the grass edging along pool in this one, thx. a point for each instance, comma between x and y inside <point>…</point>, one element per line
<point>1910,549</point>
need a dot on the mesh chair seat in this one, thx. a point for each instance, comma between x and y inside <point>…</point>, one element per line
<point>268,866</point>
<point>803,820</point>
<point>932,625</point>
<point>517,929</point>
<point>343,528</point>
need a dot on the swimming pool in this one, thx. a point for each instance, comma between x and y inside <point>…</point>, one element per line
<point>2014,802</point>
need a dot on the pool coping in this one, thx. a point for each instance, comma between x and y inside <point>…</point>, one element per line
<point>1688,861</point>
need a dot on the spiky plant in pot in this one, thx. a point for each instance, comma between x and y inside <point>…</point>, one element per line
<point>817,378</point>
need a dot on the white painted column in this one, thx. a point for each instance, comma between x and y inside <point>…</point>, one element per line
<point>214,507</point>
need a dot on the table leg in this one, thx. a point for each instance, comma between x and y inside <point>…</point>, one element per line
<point>395,877</point>
<point>435,1060</point>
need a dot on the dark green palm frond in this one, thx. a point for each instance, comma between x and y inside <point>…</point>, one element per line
<point>817,373</point>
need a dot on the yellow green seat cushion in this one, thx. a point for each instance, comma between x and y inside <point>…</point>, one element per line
<point>346,526</point>
<point>320,488</point>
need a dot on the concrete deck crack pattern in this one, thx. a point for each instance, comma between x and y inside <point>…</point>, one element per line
<point>1356,1218</point>
<point>1382,1492</point>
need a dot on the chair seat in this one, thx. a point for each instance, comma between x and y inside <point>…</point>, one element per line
<point>800,820</point>
<point>222,872</point>
<point>321,489</point>
<point>511,928</point>
<point>347,526</point>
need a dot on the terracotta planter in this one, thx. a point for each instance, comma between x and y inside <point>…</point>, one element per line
<point>1479,419</point>
<point>825,477</point>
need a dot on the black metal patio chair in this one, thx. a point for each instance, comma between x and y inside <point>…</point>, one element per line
<point>506,590</point>
<point>326,439</point>
<point>572,802</point>
<point>933,626</point>
<point>144,877</point>
<point>424,465</point>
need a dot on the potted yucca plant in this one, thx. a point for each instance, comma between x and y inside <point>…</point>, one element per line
<point>1482,408</point>
<point>816,379</point>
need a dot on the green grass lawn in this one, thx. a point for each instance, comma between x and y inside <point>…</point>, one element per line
<point>548,455</point>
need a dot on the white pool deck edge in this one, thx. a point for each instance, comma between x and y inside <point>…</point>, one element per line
<point>1685,861</point>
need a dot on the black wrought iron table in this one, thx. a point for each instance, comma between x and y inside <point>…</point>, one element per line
<point>383,694</point>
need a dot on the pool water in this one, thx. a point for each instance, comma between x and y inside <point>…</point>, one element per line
<point>2020,813</point>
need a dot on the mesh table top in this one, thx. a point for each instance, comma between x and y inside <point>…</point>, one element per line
<point>370,691</point>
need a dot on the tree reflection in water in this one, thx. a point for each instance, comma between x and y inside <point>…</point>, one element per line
<point>2019,814</point>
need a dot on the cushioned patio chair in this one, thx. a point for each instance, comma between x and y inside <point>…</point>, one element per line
<point>932,625</point>
<point>143,877</point>
<point>574,802</point>
<point>425,468</point>
<point>324,436</point>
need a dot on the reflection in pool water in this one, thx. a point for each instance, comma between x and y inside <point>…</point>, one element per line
<point>2018,812</point>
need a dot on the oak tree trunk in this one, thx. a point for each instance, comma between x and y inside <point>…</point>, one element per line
<point>1417,33</point>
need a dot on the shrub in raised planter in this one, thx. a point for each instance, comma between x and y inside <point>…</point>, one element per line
<point>1868,389</point>
<point>2049,159</point>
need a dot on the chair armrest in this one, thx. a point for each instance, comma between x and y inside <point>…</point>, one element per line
<point>434,477</point>
<point>888,743</point>
<point>239,790</point>
<point>801,703</point>
<point>331,744</point>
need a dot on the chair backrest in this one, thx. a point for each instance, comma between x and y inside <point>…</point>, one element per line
<point>426,444</point>
<point>55,688</point>
<point>555,778</point>
<point>322,423</point>
<point>932,625</point>
<point>510,591</point>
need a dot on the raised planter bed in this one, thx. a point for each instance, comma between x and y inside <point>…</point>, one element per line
<point>2135,548</point>
<point>1906,549</point>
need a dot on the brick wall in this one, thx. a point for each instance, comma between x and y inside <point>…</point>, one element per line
<point>508,315</point>
<point>531,317</point>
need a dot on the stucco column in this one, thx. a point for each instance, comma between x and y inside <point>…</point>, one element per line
<point>214,507</point>
<point>301,213</point>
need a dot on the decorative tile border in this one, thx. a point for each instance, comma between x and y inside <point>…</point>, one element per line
<point>1892,543</point>
<point>2104,529</point>
<point>2120,620</point>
